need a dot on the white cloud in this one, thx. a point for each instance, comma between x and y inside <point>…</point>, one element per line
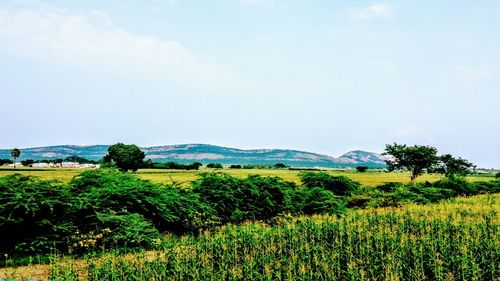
<point>95,43</point>
<point>473,72</point>
<point>170,3</point>
<point>373,11</point>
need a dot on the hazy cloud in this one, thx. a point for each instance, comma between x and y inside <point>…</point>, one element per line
<point>94,42</point>
<point>373,11</point>
<point>473,72</point>
<point>169,3</point>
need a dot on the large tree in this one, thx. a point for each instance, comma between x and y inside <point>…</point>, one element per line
<point>15,154</point>
<point>416,159</point>
<point>452,167</point>
<point>125,156</point>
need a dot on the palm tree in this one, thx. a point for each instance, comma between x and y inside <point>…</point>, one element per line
<point>15,153</point>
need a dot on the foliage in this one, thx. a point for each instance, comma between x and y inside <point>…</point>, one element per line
<point>314,200</point>
<point>454,240</point>
<point>214,166</point>
<point>33,214</point>
<point>15,153</point>
<point>280,166</point>
<point>126,157</point>
<point>235,167</point>
<point>78,159</point>
<point>27,162</point>
<point>389,186</point>
<point>453,167</point>
<point>497,175</point>
<point>361,169</point>
<point>416,159</point>
<point>106,208</point>
<point>339,185</point>
<point>235,200</point>
<point>5,161</point>
<point>460,186</point>
<point>172,165</point>
<point>488,186</point>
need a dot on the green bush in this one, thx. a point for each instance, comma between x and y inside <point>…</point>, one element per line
<point>214,166</point>
<point>389,186</point>
<point>459,185</point>
<point>358,201</point>
<point>235,200</point>
<point>112,192</point>
<point>314,200</point>
<point>33,214</point>
<point>340,185</point>
<point>433,194</point>
<point>487,186</point>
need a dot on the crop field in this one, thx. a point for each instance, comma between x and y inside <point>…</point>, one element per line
<point>457,239</point>
<point>184,177</point>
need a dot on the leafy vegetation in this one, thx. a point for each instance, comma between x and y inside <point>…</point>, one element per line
<point>105,208</point>
<point>362,169</point>
<point>453,240</point>
<point>127,157</point>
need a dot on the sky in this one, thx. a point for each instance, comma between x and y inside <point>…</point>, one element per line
<point>324,76</point>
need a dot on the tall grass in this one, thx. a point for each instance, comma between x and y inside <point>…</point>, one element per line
<point>454,240</point>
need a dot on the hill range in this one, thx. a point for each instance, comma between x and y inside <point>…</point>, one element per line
<point>205,153</point>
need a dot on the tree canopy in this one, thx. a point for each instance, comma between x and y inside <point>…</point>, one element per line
<point>416,159</point>
<point>451,166</point>
<point>125,156</point>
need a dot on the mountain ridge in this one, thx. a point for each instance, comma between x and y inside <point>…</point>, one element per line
<point>205,153</point>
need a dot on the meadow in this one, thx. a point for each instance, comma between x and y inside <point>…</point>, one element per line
<point>185,177</point>
<point>456,239</point>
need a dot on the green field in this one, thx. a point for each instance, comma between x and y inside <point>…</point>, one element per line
<point>183,177</point>
<point>457,239</point>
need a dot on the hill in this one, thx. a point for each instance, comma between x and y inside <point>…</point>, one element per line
<point>205,153</point>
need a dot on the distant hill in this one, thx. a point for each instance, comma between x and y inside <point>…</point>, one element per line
<point>205,153</point>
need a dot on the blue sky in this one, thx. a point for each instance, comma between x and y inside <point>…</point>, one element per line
<point>323,76</point>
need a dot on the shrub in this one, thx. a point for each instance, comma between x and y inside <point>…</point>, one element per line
<point>358,201</point>
<point>235,167</point>
<point>459,185</point>
<point>314,200</point>
<point>280,166</point>
<point>33,214</point>
<point>488,186</point>
<point>361,169</point>
<point>235,200</point>
<point>214,166</point>
<point>112,192</point>
<point>338,185</point>
<point>497,175</point>
<point>389,186</point>
<point>433,194</point>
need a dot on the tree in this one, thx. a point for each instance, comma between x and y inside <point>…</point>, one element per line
<point>452,167</point>
<point>280,166</point>
<point>416,159</point>
<point>28,162</point>
<point>214,165</point>
<point>125,156</point>
<point>5,161</point>
<point>15,153</point>
<point>361,169</point>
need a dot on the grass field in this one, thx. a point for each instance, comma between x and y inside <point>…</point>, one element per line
<point>183,177</point>
<point>456,239</point>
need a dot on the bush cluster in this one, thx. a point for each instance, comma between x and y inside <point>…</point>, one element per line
<point>172,165</point>
<point>107,208</point>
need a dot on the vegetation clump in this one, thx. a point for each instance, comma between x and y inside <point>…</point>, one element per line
<point>339,185</point>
